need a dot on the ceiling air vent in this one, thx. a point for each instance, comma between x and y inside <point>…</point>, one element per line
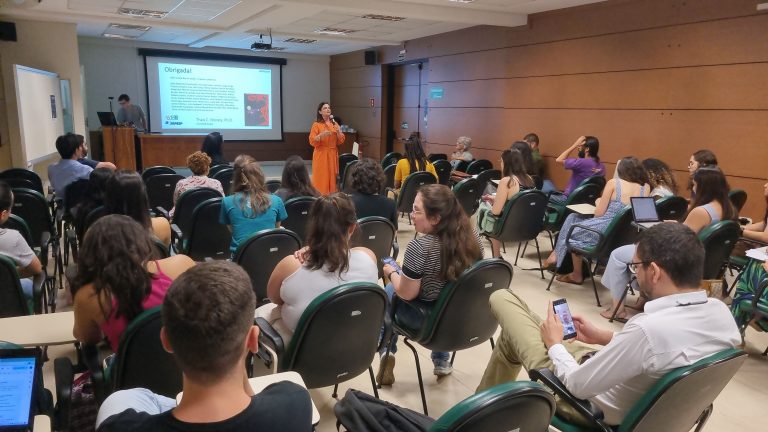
<point>300,40</point>
<point>334,31</point>
<point>383,17</point>
<point>142,13</point>
<point>129,27</point>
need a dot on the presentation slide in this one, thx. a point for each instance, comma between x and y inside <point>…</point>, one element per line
<point>240,100</point>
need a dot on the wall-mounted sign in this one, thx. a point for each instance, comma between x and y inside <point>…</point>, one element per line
<point>436,92</point>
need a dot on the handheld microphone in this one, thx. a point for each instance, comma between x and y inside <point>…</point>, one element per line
<point>332,119</point>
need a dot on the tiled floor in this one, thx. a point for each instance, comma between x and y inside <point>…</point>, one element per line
<point>738,408</point>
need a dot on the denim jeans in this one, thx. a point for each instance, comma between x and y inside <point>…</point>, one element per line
<point>410,318</point>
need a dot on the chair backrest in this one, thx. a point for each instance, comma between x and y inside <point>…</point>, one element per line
<point>93,216</point>
<point>678,399</point>
<point>160,188</point>
<point>448,327</point>
<point>462,166</point>
<point>377,234</point>
<point>595,180</point>
<point>216,168</point>
<point>410,188</point>
<point>20,183</point>
<point>12,300</point>
<point>188,202</point>
<point>486,176</point>
<point>273,185</point>
<point>389,176</point>
<point>443,169</point>
<point>344,159</point>
<point>207,237</point>
<point>141,360</point>
<point>479,165</point>
<point>346,180</point>
<point>224,176</point>
<point>585,194</point>
<point>619,232</point>
<point>298,216</point>
<point>672,208</point>
<point>155,170</point>
<point>512,406</point>
<point>718,240</point>
<point>434,157</point>
<point>20,173</point>
<point>74,193</point>
<point>522,218</point>
<point>320,350</point>
<point>468,192</point>
<point>31,206</point>
<point>261,252</point>
<point>16,223</point>
<point>390,158</point>
<point>738,198</point>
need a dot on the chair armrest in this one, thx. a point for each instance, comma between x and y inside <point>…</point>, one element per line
<point>751,242</point>
<point>162,211</point>
<point>384,341</point>
<point>395,249</point>
<point>64,373</point>
<point>89,356</point>
<point>176,232</point>
<point>72,240</point>
<point>554,192</point>
<point>270,337</point>
<point>583,407</point>
<point>600,237</point>
<point>45,240</point>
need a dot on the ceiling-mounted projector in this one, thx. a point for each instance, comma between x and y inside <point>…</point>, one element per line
<point>261,46</point>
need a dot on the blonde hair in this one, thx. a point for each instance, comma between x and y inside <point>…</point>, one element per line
<point>248,178</point>
<point>199,163</point>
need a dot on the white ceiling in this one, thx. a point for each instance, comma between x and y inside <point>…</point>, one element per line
<point>239,23</point>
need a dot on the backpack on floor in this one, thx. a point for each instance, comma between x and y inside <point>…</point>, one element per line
<point>361,412</point>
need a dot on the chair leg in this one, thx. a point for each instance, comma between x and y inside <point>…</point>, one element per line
<point>453,356</point>
<point>503,247</point>
<point>373,382</point>
<point>517,255</point>
<point>551,280</point>
<point>525,247</point>
<point>493,346</point>
<point>335,391</point>
<point>703,418</point>
<point>418,374</point>
<point>538,254</point>
<point>765,353</point>
<point>623,297</point>
<point>594,284</point>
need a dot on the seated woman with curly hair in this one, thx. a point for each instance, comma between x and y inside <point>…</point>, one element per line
<point>367,181</point>
<point>199,163</point>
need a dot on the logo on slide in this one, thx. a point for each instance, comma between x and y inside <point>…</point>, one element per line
<point>256,109</point>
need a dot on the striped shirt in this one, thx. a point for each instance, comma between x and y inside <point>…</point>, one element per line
<point>422,262</point>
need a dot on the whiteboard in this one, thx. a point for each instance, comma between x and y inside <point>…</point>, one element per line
<point>41,121</point>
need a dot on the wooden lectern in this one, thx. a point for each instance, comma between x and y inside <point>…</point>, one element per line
<point>120,147</point>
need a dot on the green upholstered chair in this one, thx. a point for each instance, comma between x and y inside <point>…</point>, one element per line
<point>680,400</point>
<point>522,406</point>
<point>585,193</point>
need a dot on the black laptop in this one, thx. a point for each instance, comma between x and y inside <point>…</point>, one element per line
<point>18,374</point>
<point>644,211</point>
<point>107,118</point>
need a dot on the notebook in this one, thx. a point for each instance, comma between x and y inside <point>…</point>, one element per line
<point>644,211</point>
<point>18,374</point>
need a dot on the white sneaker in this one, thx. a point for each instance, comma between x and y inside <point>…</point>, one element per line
<point>443,368</point>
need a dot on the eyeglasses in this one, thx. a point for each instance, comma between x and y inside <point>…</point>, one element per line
<point>414,211</point>
<point>633,266</point>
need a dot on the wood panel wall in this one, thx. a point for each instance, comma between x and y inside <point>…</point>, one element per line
<point>651,78</point>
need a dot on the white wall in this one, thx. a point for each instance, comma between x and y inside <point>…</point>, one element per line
<point>113,67</point>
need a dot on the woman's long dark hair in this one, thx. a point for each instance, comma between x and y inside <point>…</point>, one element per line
<point>212,146</point>
<point>126,195</point>
<point>631,169</point>
<point>330,219</point>
<point>93,197</point>
<point>458,242</point>
<point>659,174</point>
<point>711,185</point>
<point>296,178</point>
<point>414,152</point>
<point>514,167</point>
<point>113,257</point>
<point>525,152</point>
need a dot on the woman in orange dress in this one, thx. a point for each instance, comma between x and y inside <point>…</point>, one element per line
<point>326,137</point>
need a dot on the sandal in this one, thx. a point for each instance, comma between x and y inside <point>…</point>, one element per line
<point>567,279</point>
<point>621,316</point>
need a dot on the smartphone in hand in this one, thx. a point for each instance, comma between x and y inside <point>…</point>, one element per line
<point>390,261</point>
<point>561,309</point>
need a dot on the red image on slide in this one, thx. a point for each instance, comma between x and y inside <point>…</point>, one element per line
<point>256,107</point>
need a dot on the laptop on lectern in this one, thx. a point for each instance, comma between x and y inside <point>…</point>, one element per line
<point>19,370</point>
<point>107,118</point>
<point>644,211</point>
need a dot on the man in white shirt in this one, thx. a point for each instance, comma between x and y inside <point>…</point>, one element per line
<point>680,326</point>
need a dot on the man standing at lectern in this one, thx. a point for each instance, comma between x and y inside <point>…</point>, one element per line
<point>130,114</point>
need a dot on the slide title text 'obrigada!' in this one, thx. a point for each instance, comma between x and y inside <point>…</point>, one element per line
<point>185,70</point>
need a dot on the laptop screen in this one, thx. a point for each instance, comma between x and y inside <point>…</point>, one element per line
<point>17,381</point>
<point>644,209</point>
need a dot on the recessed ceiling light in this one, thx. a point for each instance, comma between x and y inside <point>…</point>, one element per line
<point>142,13</point>
<point>129,27</point>
<point>117,36</point>
<point>383,17</point>
<point>301,41</point>
<point>334,31</point>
